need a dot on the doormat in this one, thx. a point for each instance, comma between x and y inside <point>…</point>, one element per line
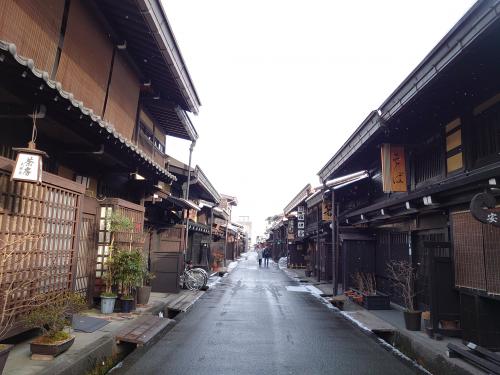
<point>87,324</point>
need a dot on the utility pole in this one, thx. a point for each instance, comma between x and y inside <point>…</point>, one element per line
<point>186,197</point>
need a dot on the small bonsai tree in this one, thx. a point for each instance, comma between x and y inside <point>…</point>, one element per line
<point>52,318</point>
<point>404,276</point>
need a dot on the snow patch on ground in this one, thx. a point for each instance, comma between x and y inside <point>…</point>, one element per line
<point>283,263</point>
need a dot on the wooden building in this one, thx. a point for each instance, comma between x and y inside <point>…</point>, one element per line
<point>431,157</point>
<point>103,82</point>
<point>295,231</point>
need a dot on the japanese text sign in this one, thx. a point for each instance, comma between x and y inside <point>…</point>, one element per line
<point>28,168</point>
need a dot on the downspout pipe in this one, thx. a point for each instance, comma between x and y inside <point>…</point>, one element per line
<point>186,197</point>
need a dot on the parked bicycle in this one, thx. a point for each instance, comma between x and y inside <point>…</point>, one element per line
<point>194,278</point>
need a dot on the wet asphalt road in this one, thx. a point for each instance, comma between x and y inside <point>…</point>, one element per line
<point>251,324</point>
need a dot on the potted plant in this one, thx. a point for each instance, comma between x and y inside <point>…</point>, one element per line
<point>108,298</point>
<point>117,223</point>
<point>404,276</point>
<point>367,287</point>
<point>143,288</point>
<point>128,270</point>
<point>51,319</point>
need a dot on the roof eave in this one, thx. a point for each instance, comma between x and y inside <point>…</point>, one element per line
<point>157,21</point>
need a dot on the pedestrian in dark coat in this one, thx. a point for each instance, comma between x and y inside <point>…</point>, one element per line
<point>267,255</point>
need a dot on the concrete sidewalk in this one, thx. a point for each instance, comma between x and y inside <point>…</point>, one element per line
<point>418,346</point>
<point>91,348</point>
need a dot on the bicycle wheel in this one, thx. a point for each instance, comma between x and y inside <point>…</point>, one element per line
<point>194,279</point>
<point>205,274</point>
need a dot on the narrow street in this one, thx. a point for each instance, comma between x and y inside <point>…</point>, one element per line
<point>251,324</point>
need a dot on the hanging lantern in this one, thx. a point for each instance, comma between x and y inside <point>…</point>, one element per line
<point>29,163</point>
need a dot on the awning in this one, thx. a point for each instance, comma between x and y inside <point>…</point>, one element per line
<point>335,184</point>
<point>201,179</point>
<point>340,182</point>
<point>219,212</point>
<point>181,202</point>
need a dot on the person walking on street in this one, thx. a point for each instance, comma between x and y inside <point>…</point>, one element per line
<point>259,256</point>
<point>267,255</point>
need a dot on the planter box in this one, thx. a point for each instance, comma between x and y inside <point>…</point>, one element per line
<point>380,301</point>
<point>377,302</point>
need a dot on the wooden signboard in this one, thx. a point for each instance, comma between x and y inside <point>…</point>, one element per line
<point>291,230</point>
<point>326,211</point>
<point>393,168</point>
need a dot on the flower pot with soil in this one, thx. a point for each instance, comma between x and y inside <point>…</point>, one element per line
<point>413,320</point>
<point>51,319</point>
<point>4,354</point>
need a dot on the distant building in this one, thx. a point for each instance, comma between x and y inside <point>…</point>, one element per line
<point>247,225</point>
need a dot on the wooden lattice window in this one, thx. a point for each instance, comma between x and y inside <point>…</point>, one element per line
<point>49,210</point>
<point>103,239</point>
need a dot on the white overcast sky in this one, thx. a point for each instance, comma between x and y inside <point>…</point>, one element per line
<point>283,83</point>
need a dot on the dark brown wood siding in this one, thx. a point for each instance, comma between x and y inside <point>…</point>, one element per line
<point>85,59</point>
<point>34,27</point>
<point>123,97</point>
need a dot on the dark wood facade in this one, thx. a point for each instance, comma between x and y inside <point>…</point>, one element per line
<point>448,131</point>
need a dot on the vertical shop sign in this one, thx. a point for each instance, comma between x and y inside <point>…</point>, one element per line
<point>301,222</point>
<point>393,168</point>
